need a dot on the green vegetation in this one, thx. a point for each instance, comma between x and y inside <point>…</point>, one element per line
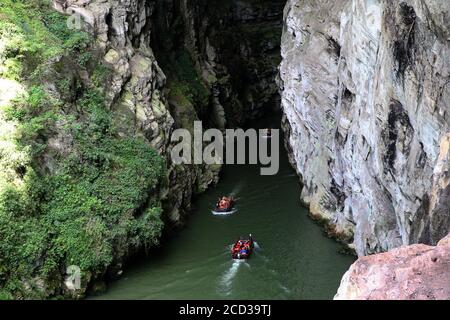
<point>72,191</point>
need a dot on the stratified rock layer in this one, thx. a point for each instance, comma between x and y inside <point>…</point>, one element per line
<point>365,92</point>
<point>407,273</point>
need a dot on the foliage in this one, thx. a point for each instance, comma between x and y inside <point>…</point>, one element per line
<point>99,191</point>
<point>32,34</point>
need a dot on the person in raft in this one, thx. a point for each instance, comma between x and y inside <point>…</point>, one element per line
<point>243,247</point>
<point>239,246</point>
<point>223,203</point>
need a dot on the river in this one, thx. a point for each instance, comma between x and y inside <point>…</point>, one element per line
<point>293,258</point>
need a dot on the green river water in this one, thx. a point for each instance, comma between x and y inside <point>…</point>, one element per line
<point>293,257</point>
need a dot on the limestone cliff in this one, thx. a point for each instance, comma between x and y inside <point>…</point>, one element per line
<point>365,93</point>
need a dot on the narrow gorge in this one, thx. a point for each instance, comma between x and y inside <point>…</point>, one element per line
<point>92,90</point>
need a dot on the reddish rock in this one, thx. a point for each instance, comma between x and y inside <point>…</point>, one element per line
<point>415,272</point>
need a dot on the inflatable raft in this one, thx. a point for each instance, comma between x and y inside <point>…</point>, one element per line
<point>243,248</point>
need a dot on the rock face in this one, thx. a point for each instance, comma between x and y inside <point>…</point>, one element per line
<point>365,91</point>
<point>136,92</point>
<point>137,89</point>
<point>416,272</point>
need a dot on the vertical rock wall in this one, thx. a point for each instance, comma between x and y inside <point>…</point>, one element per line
<point>365,92</point>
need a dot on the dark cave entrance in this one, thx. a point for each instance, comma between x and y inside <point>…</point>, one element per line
<point>221,58</point>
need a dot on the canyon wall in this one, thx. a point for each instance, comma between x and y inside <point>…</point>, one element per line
<point>193,60</point>
<point>366,96</point>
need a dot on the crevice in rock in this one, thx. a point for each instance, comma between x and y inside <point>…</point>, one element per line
<point>334,47</point>
<point>404,47</point>
<point>109,23</point>
<point>338,194</point>
<point>398,128</point>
